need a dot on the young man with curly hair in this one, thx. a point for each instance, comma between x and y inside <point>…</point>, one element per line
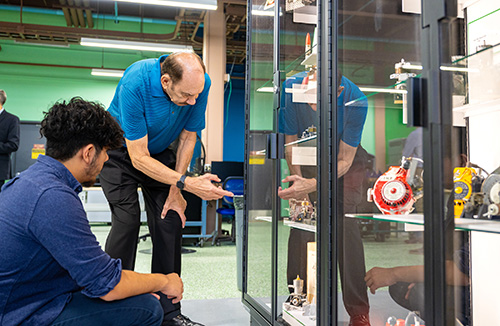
<point>52,269</point>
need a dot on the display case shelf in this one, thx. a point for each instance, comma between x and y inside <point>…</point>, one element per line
<point>476,76</point>
<point>310,141</point>
<point>465,224</point>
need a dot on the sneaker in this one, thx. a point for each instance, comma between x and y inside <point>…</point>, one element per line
<point>180,320</point>
<point>359,320</point>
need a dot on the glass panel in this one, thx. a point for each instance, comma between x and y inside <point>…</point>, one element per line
<point>298,121</point>
<point>379,163</point>
<point>473,65</point>
<point>260,172</point>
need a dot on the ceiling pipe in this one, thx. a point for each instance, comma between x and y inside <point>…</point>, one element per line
<point>74,16</point>
<point>88,13</point>
<point>74,67</point>
<point>66,13</point>
<point>79,12</point>
<point>202,16</point>
<point>94,16</point>
<point>72,32</point>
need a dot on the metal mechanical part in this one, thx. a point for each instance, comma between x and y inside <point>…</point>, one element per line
<point>391,192</point>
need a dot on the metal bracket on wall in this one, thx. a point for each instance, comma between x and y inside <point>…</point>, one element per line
<point>275,146</point>
<point>277,89</point>
<point>417,111</point>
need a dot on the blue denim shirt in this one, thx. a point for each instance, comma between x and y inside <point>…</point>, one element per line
<point>47,248</point>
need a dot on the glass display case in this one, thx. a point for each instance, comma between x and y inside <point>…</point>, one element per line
<point>372,187</point>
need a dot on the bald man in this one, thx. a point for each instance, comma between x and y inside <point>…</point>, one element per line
<point>157,102</point>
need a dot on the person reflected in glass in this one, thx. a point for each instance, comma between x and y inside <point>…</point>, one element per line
<point>298,120</point>
<point>406,283</point>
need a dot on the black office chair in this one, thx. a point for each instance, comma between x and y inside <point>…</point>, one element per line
<point>234,185</point>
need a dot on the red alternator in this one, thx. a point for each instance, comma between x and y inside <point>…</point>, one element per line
<point>391,193</point>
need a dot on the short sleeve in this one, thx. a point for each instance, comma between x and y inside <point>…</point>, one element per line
<point>356,109</point>
<point>132,113</point>
<point>288,123</point>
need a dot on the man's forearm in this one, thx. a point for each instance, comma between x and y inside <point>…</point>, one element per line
<point>132,283</point>
<point>156,170</point>
<point>185,150</point>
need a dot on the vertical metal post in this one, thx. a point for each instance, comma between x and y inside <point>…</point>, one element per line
<point>326,255</point>
<point>275,165</point>
<point>437,133</point>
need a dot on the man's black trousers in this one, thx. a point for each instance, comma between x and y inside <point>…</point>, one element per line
<point>120,180</point>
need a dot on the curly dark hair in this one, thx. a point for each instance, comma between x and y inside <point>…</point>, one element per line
<point>69,126</point>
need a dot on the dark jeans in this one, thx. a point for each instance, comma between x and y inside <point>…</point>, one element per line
<point>141,310</point>
<point>120,180</point>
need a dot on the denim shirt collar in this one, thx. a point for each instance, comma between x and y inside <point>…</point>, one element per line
<point>61,172</point>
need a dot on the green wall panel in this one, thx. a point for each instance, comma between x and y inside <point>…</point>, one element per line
<point>32,90</point>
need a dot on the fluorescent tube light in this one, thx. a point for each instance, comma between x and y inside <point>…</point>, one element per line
<point>131,45</point>
<point>195,4</point>
<point>257,11</point>
<point>458,69</point>
<point>269,13</point>
<point>266,89</point>
<point>107,72</point>
<point>410,66</point>
<point>443,68</point>
<point>383,90</point>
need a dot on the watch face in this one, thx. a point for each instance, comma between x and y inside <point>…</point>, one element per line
<point>180,183</point>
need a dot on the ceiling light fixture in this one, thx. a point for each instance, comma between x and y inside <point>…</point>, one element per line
<point>195,4</point>
<point>383,90</point>
<point>131,45</point>
<point>107,72</point>
<point>266,89</point>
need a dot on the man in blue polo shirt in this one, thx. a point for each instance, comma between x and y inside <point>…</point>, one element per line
<point>157,102</point>
<point>295,121</point>
<point>52,269</point>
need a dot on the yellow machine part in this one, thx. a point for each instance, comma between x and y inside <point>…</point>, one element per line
<point>462,179</point>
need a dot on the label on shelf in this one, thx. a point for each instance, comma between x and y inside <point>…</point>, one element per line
<point>304,156</point>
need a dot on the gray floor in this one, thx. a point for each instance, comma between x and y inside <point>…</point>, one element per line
<point>211,295</point>
<point>217,312</point>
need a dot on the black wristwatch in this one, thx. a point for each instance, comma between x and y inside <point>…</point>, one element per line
<point>180,184</point>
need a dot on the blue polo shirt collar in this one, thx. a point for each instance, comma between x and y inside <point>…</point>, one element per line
<point>61,172</point>
<point>155,78</point>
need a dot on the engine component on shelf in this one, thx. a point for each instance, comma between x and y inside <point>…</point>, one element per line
<point>309,132</point>
<point>302,211</point>
<point>401,74</point>
<point>462,184</point>
<point>476,200</point>
<point>392,192</point>
<point>297,297</point>
<point>491,190</point>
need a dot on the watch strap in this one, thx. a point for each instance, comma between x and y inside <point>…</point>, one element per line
<point>180,184</point>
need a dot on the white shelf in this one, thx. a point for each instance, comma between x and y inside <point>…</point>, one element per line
<point>310,60</point>
<point>301,140</point>
<point>296,318</point>
<point>481,107</point>
<point>467,224</point>
<point>287,222</point>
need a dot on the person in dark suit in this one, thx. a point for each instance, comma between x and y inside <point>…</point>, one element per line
<point>9,138</point>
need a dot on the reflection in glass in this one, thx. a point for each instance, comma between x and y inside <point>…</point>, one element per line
<point>379,166</point>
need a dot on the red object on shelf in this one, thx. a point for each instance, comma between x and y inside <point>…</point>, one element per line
<point>308,44</point>
<point>391,193</point>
